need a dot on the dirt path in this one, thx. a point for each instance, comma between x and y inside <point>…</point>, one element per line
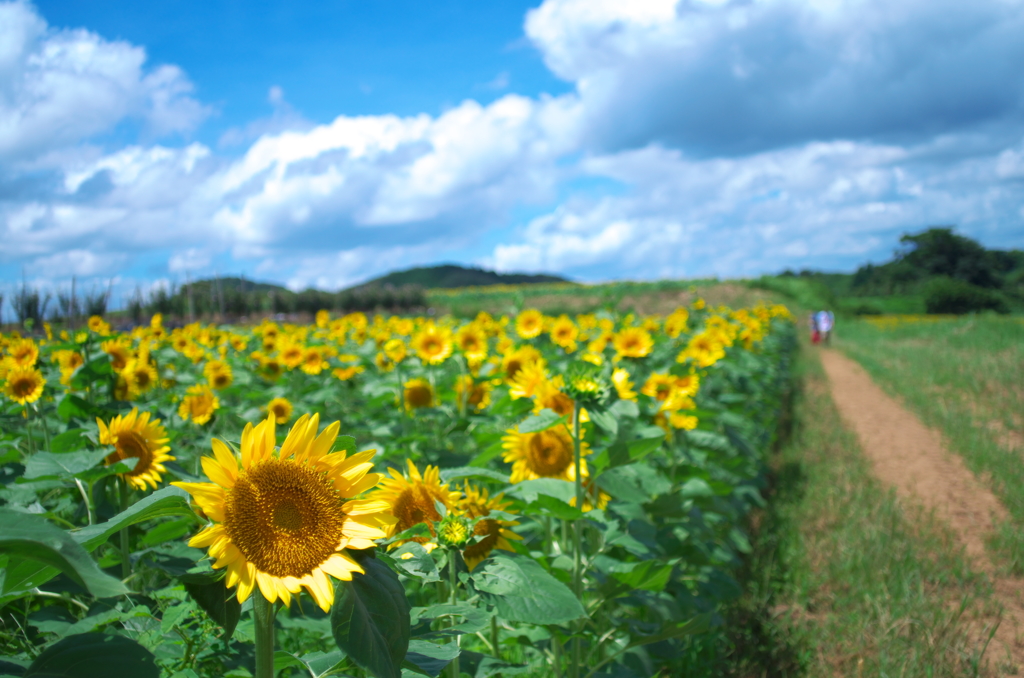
<point>913,458</point>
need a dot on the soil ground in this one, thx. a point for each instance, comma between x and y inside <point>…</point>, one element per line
<point>914,460</point>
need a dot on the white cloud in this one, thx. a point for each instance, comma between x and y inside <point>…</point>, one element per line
<point>59,87</point>
<point>704,137</point>
<point>749,76</point>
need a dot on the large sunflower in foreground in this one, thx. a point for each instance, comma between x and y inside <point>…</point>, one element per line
<point>544,454</point>
<point>282,519</point>
<point>411,498</point>
<point>135,436</point>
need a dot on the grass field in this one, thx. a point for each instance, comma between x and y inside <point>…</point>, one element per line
<point>852,584</point>
<point>965,377</point>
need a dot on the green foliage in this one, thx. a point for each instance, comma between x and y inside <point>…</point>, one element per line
<point>370,620</point>
<point>94,654</point>
<point>952,296</point>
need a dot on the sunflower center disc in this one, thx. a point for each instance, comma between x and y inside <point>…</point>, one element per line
<point>286,519</point>
<point>131,445</point>
<point>548,454</point>
<point>23,387</point>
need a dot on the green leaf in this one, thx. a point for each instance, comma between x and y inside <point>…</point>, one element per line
<point>541,421</point>
<point>451,474</point>
<point>429,659</point>
<point>606,420</point>
<point>48,464</point>
<point>698,624</point>
<point>648,575</point>
<point>32,538</point>
<point>167,501</point>
<point>414,561</point>
<point>555,507</point>
<point>708,440</point>
<point>625,408</point>
<point>88,655</point>
<point>346,444</point>
<point>522,590</point>
<point>370,619</point>
<point>74,407</point>
<point>96,369</point>
<point>633,482</point>
<point>638,449</point>
<point>69,441</point>
<point>696,487</point>
<point>529,490</point>
<point>219,602</point>
<point>321,663</point>
<point>484,666</point>
<point>473,618</point>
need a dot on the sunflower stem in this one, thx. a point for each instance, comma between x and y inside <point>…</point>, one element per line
<point>494,637</point>
<point>46,432</point>
<point>126,563</point>
<point>577,549</point>
<point>87,498</point>
<point>466,386</point>
<point>453,582</point>
<point>263,616</point>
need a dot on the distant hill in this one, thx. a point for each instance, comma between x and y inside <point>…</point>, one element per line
<point>452,275</point>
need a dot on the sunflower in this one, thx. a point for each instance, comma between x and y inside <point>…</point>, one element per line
<point>24,384</point>
<point>472,341</point>
<point>383,362</point>
<point>280,409</point>
<point>323,318</point>
<point>432,344</point>
<point>411,497</point>
<point>135,436</point>
<point>96,324</point>
<point>199,404</point>
<point>395,350</point>
<point>139,375</point>
<point>346,373</point>
<point>658,386</point>
<point>282,519</point>
<point>623,385</point>
<point>118,351</point>
<point>529,380</point>
<point>475,503</point>
<point>544,454</point>
<point>291,355</point>
<point>476,393</point>
<point>529,323</point>
<point>705,349</point>
<point>313,361</point>
<point>633,342</point>
<point>24,352</point>
<point>550,397</point>
<point>675,323</point>
<point>271,368</point>
<point>513,361</point>
<point>564,333</point>
<point>218,374</point>
<point>418,393</point>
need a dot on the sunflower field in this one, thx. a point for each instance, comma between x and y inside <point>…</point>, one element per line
<point>382,496</point>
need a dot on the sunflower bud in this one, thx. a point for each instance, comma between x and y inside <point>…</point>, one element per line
<point>586,386</point>
<point>454,531</point>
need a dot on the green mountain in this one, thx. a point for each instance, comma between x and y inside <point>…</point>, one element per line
<point>452,275</point>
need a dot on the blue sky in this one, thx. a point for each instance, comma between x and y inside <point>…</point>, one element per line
<point>326,143</point>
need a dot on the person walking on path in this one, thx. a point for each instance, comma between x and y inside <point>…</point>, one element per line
<point>812,326</point>
<point>825,321</point>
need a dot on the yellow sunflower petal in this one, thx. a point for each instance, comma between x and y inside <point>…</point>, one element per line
<point>215,472</point>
